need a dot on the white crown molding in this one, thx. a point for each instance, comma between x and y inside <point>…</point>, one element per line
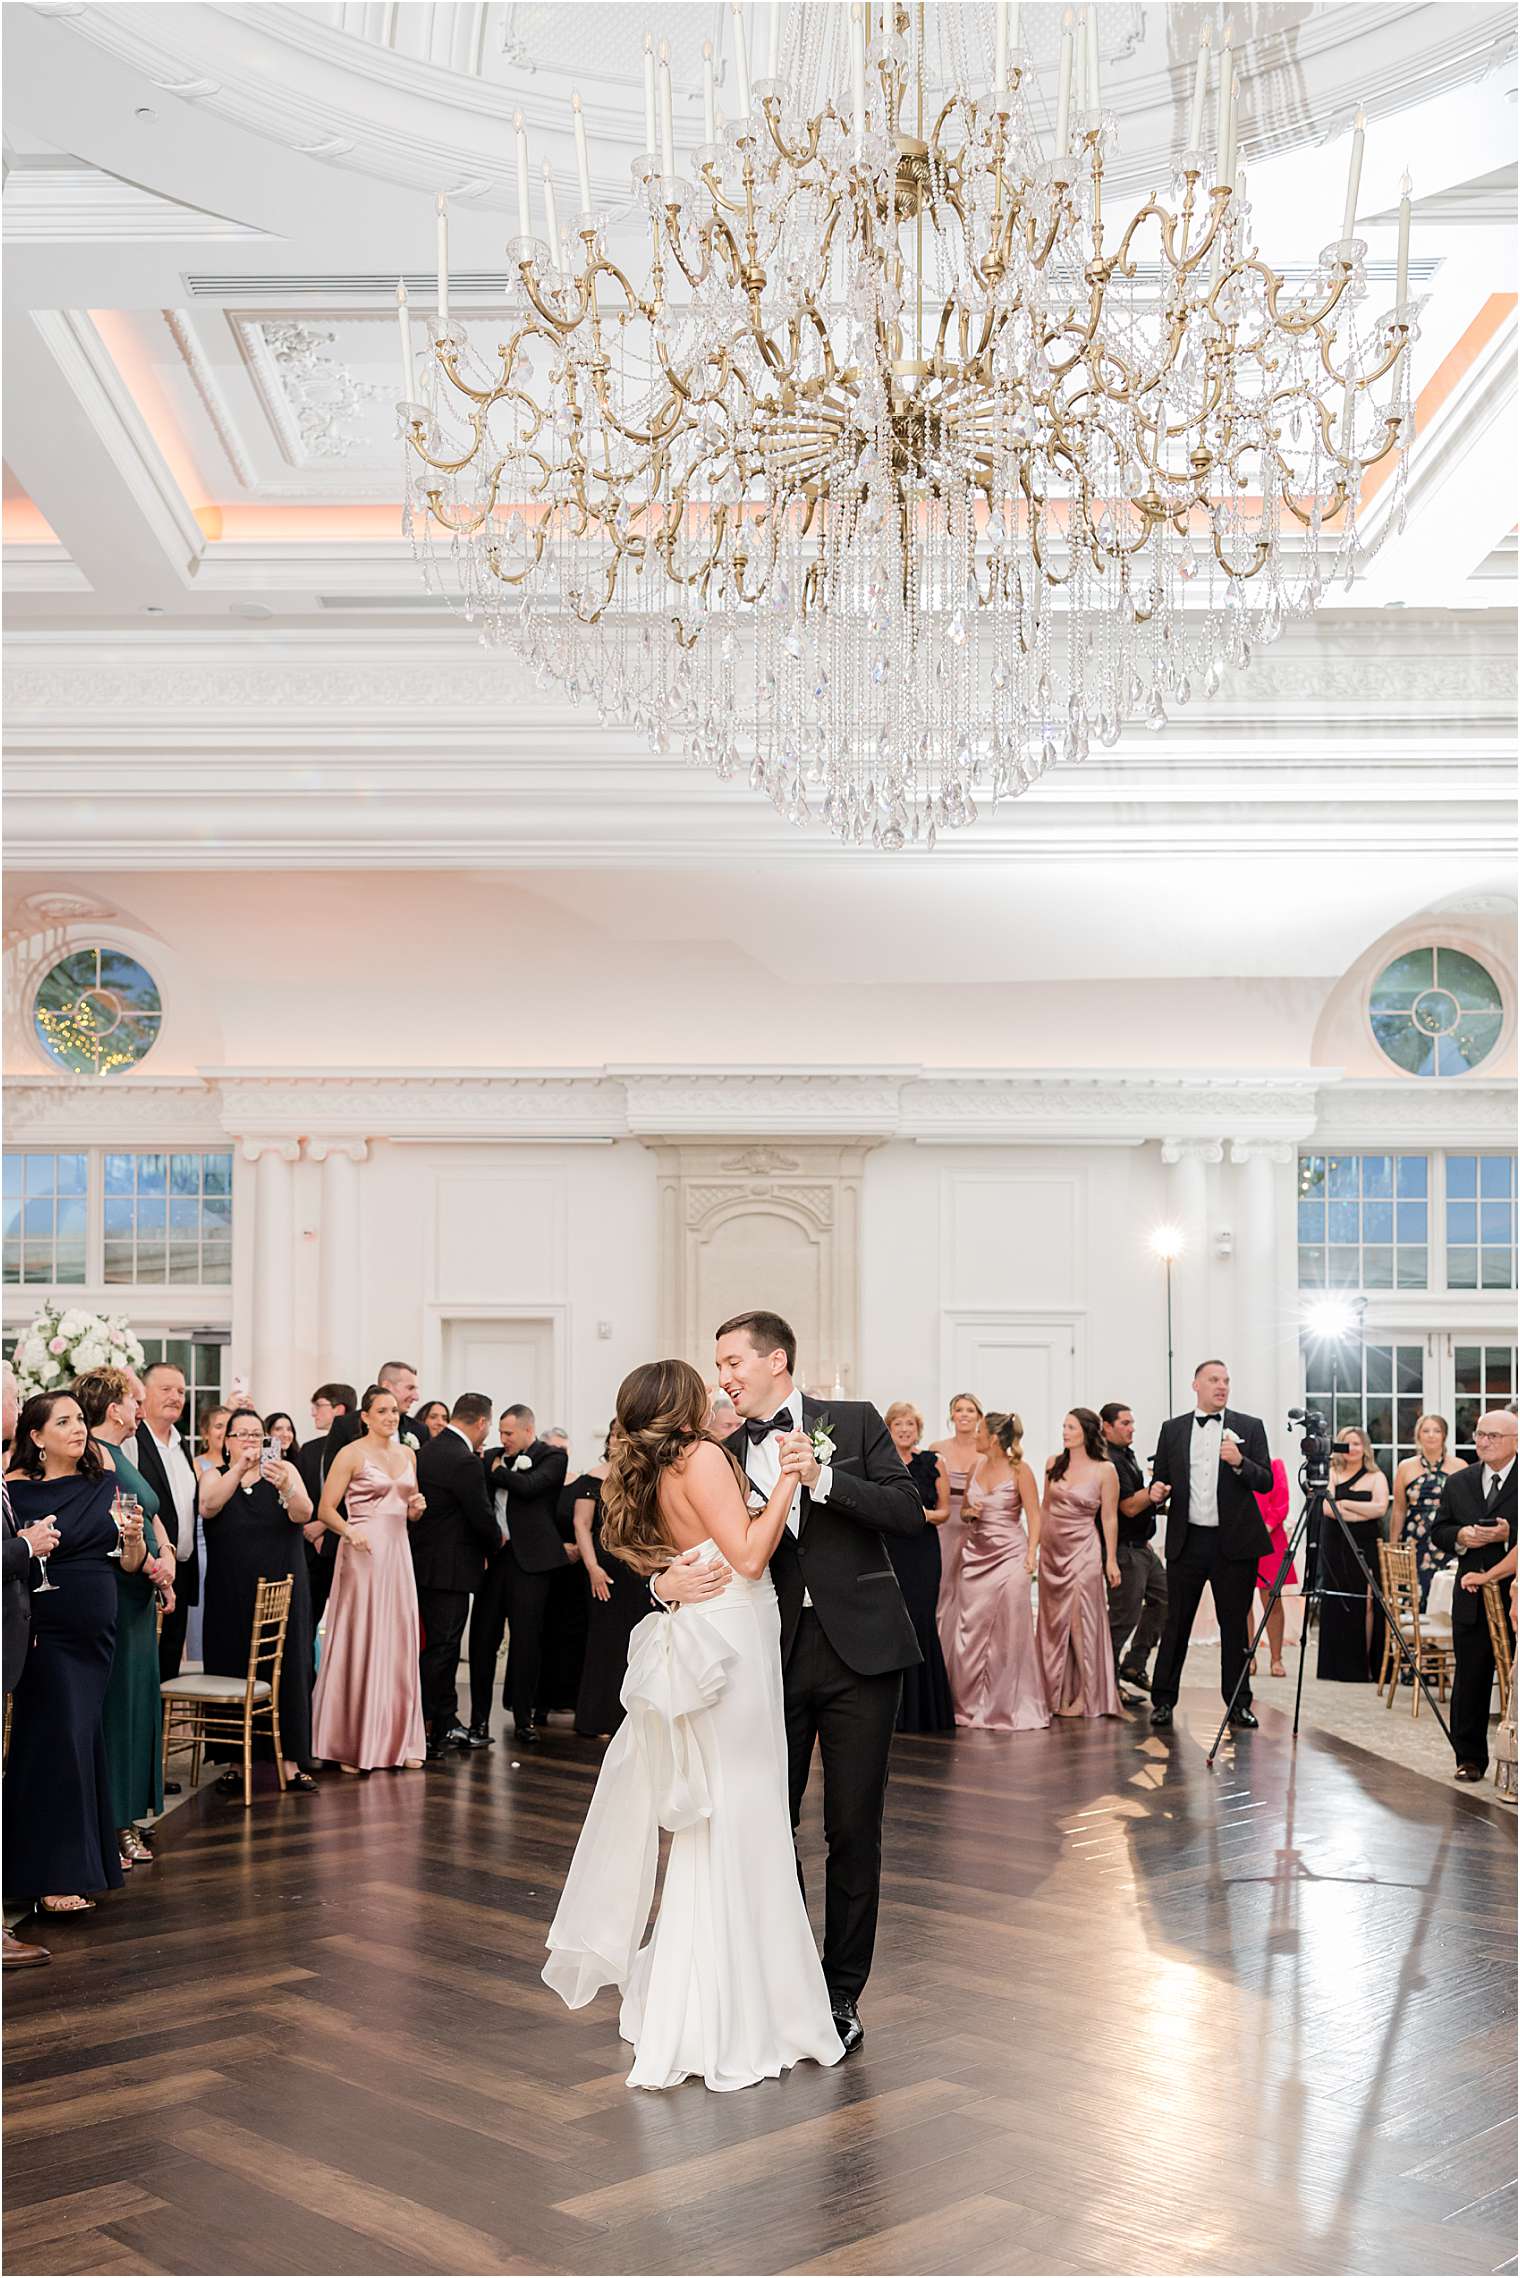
<point>42,568</point>
<point>82,205</point>
<point>1188,1112</point>
<point>182,331</point>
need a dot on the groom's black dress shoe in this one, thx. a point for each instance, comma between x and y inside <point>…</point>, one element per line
<point>1242,1720</point>
<point>1161,1717</point>
<point>470,1736</point>
<point>525,1735</point>
<point>847,2020</point>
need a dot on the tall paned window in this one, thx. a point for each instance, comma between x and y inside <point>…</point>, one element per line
<point>1480,1222</point>
<point>102,1219</point>
<point>1378,1387</point>
<point>46,1217</point>
<point>1363,1221</point>
<point>1484,1376</point>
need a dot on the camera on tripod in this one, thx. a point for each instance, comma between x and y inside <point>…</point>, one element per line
<point>1314,1440</point>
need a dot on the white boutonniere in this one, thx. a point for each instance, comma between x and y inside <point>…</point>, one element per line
<point>1231,1435</point>
<point>523,1463</point>
<point>822,1443</point>
<point>407,1440</point>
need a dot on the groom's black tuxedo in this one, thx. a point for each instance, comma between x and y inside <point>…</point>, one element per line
<point>837,1555</point>
<point>842,1659</point>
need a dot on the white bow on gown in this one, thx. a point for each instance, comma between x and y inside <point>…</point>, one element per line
<point>728,1985</point>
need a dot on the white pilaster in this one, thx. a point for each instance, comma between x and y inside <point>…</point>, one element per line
<point>1264,1362</point>
<point>1188,1161</point>
<point>339,1261</point>
<point>273,1240</point>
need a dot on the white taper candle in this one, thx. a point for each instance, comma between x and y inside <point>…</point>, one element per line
<point>741,60</point>
<point>649,129</point>
<point>667,121</point>
<point>1200,93</point>
<point>1222,115</point>
<point>403,319</point>
<point>773,50</point>
<point>524,204</point>
<point>1063,100</point>
<point>1402,290</point>
<point>858,72</point>
<point>1354,178</point>
<point>1000,49</point>
<point>1094,84</point>
<point>709,95</point>
<point>551,214</point>
<point>582,163</point>
<point>443,264</point>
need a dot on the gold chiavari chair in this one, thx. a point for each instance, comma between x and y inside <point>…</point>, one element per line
<point>198,1709</point>
<point>1499,1638</point>
<point>1426,1638</point>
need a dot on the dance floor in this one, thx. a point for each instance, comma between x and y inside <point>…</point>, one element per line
<point>1127,2015</point>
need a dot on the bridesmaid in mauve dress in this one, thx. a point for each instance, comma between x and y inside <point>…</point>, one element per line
<point>959,1455</point>
<point>926,1704</point>
<point>367,1710</point>
<point>1078,1555</point>
<point>994,1670</point>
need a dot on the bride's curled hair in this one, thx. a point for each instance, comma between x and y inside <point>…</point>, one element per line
<point>661,1415</point>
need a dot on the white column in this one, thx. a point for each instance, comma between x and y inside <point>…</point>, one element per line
<point>339,1259</point>
<point>1188,1161</point>
<point>273,1247</point>
<point>1254,1366</point>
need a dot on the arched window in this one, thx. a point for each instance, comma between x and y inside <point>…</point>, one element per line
<point>1436,1012</point>
<point>96,1012</point>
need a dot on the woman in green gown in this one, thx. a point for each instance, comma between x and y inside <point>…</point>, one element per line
<point>132,1718</point>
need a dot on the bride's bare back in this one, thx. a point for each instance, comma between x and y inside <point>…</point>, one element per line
<point>701,1500</point>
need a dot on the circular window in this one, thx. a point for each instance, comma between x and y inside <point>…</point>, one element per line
<point>97,1012</point>
<point>1436,1012</point>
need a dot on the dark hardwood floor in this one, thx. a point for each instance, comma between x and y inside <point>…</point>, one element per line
<point>1127,2015</point>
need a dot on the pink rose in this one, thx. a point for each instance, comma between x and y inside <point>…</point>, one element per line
<point>57,1345</point>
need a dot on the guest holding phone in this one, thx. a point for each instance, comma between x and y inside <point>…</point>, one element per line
<point>254,1510</point>
<point>1350,1619</point>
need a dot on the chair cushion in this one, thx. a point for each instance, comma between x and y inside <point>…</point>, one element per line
<point>210,1689</point>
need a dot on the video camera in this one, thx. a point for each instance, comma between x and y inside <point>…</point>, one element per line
<point>1314,1430</point>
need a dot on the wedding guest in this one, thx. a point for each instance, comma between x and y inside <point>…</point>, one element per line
<point>367,1710</point>
<point>526,1475</point>
<point>396,1376</point>
<point>254,1512</point>
<point>618,1603</point>
<point>1418,1485</point>
<point>926,1702</point>
<point>1350,1618</point>
<point>1477,1525</point>
<point>132,1717</point>
<point>1079,1542</point>
<point>433,1416</point>
<point>280,1427</point>
<point>161,1456</point>
<point>722,1415</point>
<point>21,1546</point>
<point>60,1842</point>
<point>450,1544</point>
<point>568,1613</point>
<point>213,1438</point>
<point>1274,1509</point>
<point>995,1678</point>
<point>1137,1608</point>
<point>330,1404</point>
<point>1215,1461</point>
<point>959,1452</point>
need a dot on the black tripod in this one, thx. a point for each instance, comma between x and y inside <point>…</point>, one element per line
<point>1314,1486</point>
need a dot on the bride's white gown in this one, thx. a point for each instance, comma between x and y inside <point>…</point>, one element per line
<point>729,1986</point>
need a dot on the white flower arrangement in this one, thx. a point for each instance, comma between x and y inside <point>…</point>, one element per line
<point>63,1343</point>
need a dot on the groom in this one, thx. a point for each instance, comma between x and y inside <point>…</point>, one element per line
<point>845,1634</point>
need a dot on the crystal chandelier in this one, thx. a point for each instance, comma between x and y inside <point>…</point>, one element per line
<point>904,470</point>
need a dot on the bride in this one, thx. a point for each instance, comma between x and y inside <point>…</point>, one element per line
<point>728,1984</point>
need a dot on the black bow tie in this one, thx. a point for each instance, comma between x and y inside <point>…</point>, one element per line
<point>1208,1419</point>
<point>758,1431</point>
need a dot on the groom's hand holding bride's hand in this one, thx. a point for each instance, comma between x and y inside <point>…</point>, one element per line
<point>689,1580</point>
<point>799,1460</point>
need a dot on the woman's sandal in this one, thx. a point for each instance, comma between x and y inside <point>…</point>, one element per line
<point>57,1913</point>
<point>230,1782</point>
<point>1279,1669</point>
<point>300,1783</point>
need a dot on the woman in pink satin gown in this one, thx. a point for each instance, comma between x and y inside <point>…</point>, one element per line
<point>994,1669</point>
<point>959,1454</point>
<point>1079,1538</point>
<point>367,1711</point>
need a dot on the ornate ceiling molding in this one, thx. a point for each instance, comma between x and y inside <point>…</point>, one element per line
<point>670,1105</point>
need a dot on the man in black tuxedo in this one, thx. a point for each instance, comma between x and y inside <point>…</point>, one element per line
<point>330,1405</point>
<point>1476,1524</point>
<point>396,1376</point>
<point>1215,1461</point>
<point>450,1545</point>
<point>162,1457</point>
<point>845,1633</point>
<point>20,1545</point>
<point>526,1475</point>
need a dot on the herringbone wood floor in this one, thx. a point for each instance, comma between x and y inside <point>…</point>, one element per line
<point>1128,2015</point>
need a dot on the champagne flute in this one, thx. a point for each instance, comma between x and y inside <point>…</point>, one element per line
<point>45,1584</point>
<point>119,1516</point>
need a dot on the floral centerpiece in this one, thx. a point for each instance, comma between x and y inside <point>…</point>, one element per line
<point>65,1341</point>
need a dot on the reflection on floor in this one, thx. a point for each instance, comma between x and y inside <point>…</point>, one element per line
<point>1128,2015</point>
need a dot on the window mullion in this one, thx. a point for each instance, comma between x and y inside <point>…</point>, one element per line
<point>95,1218</point>
<point>1437,1275</point>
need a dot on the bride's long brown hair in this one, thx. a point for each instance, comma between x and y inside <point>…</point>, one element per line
<point>661,1416</point>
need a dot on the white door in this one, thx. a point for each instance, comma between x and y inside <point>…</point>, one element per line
<point>509,1361</point>
<point>1010,1361</point>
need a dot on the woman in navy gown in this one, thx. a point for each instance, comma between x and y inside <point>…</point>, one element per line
<point>926,1703</point>
<point>60,1837</point>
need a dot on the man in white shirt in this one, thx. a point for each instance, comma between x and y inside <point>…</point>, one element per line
<point>1476,1522</point>
<point>164,1461</point>
<point>1215,1462</point>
